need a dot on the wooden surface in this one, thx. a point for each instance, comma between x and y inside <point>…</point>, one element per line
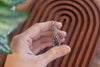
<point>96,62</point>
<point>81,20</point>
<point>90,10</point>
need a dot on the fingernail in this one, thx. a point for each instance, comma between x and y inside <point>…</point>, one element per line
<point>60,23</point>
<point>64,32</point>
<point>66,49</point>
<point>69,49</point>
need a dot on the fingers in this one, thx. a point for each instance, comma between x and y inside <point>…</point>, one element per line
<point>49,39</point>
<point>46,41</point>
<point>50,33</point>
<point>40,45</point>
<point>43,46</point>
<point>36,29</point>
<point>62,34</point>
<point>55,53</point>
<point>44,34</point>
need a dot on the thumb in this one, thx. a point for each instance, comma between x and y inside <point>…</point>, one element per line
<point>55,53</point>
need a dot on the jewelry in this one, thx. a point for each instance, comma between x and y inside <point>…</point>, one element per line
<point>55,38</point>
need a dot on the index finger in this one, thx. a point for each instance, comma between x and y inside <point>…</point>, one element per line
<point>36,29</point>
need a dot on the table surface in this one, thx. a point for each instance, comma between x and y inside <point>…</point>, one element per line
<point>25,5</point>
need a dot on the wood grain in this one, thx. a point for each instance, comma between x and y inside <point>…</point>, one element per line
<point>80,19</point>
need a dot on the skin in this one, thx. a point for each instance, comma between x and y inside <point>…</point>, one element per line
<point>28,44</point>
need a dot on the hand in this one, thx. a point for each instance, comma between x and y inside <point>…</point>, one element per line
<point>28,44</point>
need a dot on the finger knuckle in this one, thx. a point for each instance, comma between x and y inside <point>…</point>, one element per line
<point>17,37</point>
<point>37,24</point>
